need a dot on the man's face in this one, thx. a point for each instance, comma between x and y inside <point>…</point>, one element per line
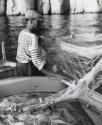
<point>32,24</point>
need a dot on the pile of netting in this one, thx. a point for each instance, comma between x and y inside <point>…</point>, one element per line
<point>70,60</point>
<point>25,109</point>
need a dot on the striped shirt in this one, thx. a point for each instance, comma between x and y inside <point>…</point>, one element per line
<point>28,50</point>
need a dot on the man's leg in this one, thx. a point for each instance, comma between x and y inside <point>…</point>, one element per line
<point>23,69</point>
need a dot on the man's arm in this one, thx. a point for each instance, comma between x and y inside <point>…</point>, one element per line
<point>37,56</point>
<point>37,60</point>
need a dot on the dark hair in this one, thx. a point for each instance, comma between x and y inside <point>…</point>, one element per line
<point>26,19</point>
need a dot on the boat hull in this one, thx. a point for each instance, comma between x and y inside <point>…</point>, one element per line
<point>18,85</point>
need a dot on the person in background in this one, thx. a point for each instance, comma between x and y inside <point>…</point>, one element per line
<point>30,57</point>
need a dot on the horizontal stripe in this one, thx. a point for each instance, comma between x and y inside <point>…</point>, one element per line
<point>28,50</point>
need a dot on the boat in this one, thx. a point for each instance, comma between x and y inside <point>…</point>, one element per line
<point>51,83</point>
<point>42,86</point>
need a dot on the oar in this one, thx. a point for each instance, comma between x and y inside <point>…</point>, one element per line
<point>4,62</point>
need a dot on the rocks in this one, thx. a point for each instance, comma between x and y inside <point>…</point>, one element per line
<point>30,4</point>
<point>93,7</point>
<point>46,6</point>
<point>80,6</point>
<point>2,7</point>
<point>59,6</point>
<point>52,6</point>
<point>76,6</point>
<point>18,7</point>
<point>43,6</point>
<point>15,7</point>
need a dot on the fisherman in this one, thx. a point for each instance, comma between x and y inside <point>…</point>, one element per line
<point>30,57</point>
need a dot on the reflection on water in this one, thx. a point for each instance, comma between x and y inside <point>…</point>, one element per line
<point>80,29</point>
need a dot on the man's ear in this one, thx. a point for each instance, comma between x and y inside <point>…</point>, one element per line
<point>30,20</point>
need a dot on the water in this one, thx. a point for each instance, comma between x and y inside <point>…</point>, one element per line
<point>86,28</point>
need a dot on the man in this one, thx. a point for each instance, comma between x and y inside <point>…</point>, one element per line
<point>30,58</point>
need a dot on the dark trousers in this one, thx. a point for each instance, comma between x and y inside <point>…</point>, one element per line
<point>27,69</point>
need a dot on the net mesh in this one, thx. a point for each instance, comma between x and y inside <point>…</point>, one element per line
<point>71,65</point>
<point>77,66</point>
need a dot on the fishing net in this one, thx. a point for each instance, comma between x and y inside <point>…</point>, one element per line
<point>27,109</point>
<point>70,60</point>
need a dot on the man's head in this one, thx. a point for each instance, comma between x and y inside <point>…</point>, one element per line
<point>33,14</point>
<point>32,18</point>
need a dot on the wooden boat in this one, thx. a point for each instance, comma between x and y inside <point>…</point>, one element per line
<point>39,86</point>
<point>44,85</point>
<point>15,85</point>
